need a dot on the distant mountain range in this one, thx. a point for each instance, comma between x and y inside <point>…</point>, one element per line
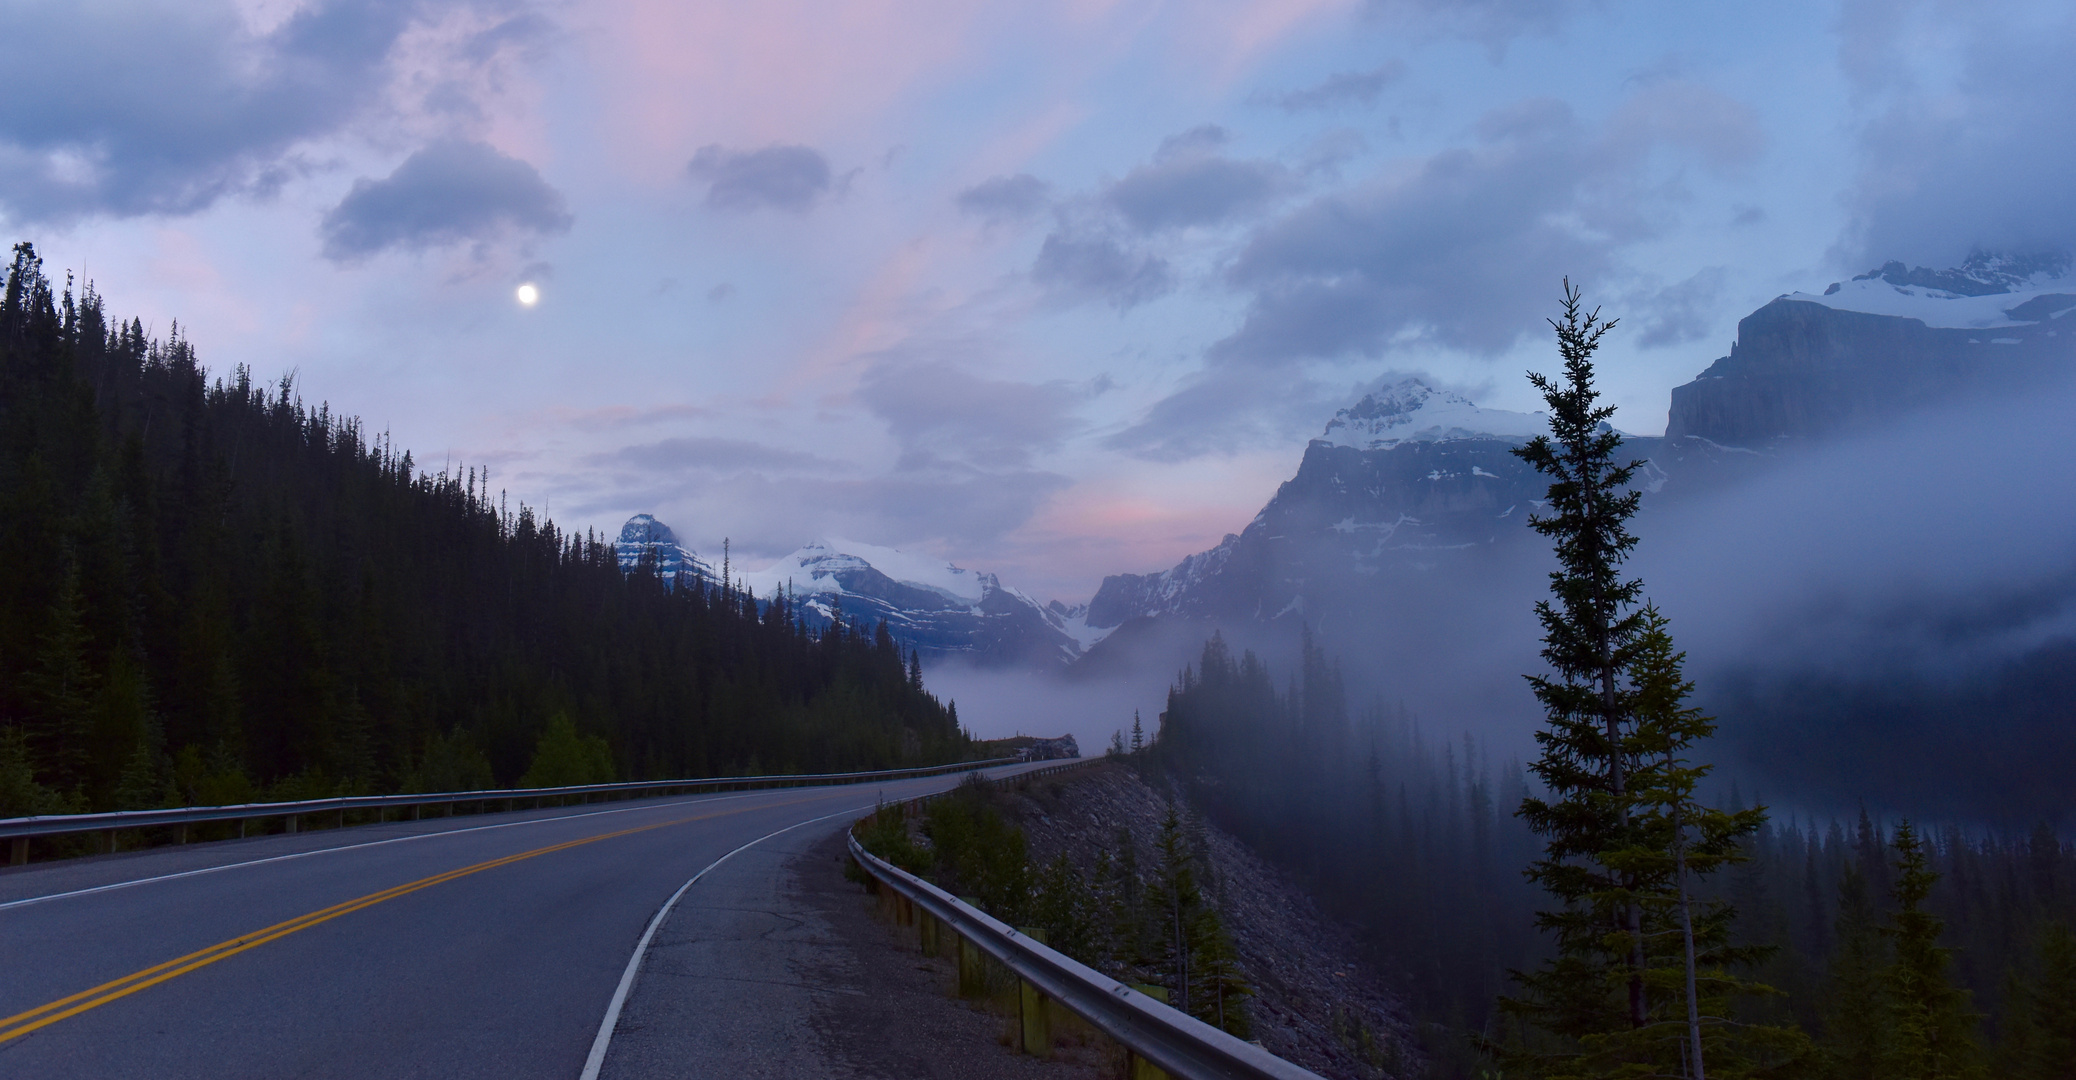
<point>930,605</point>
<point>1411,478</point>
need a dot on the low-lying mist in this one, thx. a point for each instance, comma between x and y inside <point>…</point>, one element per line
<point>1885,620</point>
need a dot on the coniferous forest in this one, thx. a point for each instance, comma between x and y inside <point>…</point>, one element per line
<point>1591,915</point>
<point>211,592</point>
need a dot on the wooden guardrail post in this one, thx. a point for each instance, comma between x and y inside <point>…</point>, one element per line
<point>1035,1007</point>
<point>973,964</point>
<point>18,853</point>
<point>1138,1068</point>
<point>926,933</point>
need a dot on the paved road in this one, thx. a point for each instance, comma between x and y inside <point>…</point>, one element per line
<point>484,946</point>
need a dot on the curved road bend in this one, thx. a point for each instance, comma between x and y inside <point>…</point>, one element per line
<point>484,946</point>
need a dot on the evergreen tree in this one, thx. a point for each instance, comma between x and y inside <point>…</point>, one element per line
<point>1590,636</point>
<point>1932,1027</point>
<point>1857,1037</point>
<point>1138,733</point>
<point>2038,1036</point>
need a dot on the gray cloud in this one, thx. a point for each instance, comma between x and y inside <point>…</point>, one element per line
<point>1986,162</point>
<point>163,109</point>
<point>790,178</point>
<point>1679,313</point>
<point>1223,411</point>
<point>773,515</point>
<point>714,455</point>
<point>450,192</point>
<point>1003,199</point>
<point>1096,266</point>
<point>1465,250</point>
<point>940,413</point>
<point>1190,183</point>
<point>1343,89</point>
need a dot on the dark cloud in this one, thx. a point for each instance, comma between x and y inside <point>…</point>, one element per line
<point>1003,199</point>
<point>791,178</point>
<point>713,455</point>
<point>163,109</point>
<point>1190,183</point>
<point>1986,162</point>
<point>1679,313</point>
<point>1099,267</point>
<point>1357,88</point>
<point>1465,250</point>
<point>451,192</point>
<point>940,413</point>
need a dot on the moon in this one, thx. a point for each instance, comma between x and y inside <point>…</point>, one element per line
<point>529,295</point>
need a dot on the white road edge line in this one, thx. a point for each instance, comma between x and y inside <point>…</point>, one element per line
<point>112,886</point>
<point>596,1060</point>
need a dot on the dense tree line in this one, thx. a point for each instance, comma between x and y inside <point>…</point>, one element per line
<point>211,591</point>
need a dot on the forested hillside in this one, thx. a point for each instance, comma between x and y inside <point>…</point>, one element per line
<point>211,592</point>
<point>1416,843</point>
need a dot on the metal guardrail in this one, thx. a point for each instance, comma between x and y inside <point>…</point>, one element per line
<point>1176,1042</point>
<point>21,830</point>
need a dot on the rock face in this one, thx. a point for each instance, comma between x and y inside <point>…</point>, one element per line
<point>1888,341</point>
<point>1411,485</point>
<point>1405,479</point>
<point>644,538</point>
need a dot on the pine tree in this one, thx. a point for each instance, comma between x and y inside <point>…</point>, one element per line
<point>1589,638</point>
<point>1933,1029</point>
<point>2039,1030</point>
<point>1675,842</point>
<point>1857,1039</point>
<point>1138,733</point>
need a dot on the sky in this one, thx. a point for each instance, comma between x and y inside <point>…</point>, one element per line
<point>1049,290</point>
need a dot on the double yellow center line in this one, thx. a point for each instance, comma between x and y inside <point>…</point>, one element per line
<point>43,1016</point>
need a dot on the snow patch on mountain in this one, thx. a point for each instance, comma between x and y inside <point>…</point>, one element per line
<point>1073,622</point>
<point>1408,410</point>
<point>1989,291</point>
<point>817,568</point>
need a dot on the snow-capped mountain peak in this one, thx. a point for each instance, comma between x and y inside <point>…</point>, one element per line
<point>926,603</point>
<point>1988,291</point>
<point>1408,410</point>
<point>644,535</point>
<point>824,565</point>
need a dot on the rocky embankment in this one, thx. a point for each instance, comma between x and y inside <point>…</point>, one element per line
<point>1317,1002</point>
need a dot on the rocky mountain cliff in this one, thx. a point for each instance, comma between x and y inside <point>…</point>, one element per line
<point>1410,480</point>
<point>1890,340</point>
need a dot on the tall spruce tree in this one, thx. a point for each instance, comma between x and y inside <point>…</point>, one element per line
<point>1856,1015</point>
<point>1932,1026</point>
<point>1641,982</point>
<point>1590,630</point>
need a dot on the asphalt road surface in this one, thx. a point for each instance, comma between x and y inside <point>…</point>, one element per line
<point>483,946</point>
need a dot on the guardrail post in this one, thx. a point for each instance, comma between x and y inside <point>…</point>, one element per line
<point>1138,1068</point>
<point>1037,1023</point>
<point>291,823</point>
<point>18,852</point>
<point>926,933</point>
<point>973,970</point>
